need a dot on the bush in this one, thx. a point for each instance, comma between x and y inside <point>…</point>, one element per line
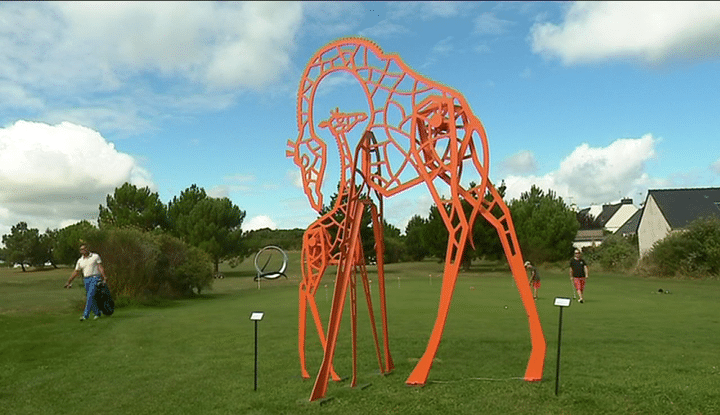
<point>141,264</point>
<point>616,253</point>
<point>693,252</point>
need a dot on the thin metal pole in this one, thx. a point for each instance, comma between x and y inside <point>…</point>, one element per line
<point>256,353</point>
<point>557,367</point>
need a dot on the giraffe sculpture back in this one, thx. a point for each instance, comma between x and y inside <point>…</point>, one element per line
<point>416,131</point>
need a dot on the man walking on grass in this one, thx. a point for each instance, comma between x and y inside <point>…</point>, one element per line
<point>578,273</point>
<point>92,270</point>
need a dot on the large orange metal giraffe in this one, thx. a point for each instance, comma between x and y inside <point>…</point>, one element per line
<point>321,250</point>
<point>425,133</point>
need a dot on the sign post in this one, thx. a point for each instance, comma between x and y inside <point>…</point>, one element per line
<point>562,303</point>
<point>256,316</point>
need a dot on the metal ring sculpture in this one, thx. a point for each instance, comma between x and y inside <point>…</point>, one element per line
<point>273,274</point>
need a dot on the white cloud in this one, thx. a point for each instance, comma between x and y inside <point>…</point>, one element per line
<point>334,18</point>
<point>716,166</point>
<point>55,174</point>
<point>400,208</point>
<point>232,184</point>
<point>489,24</point>
<point>595,175</point>
<point>440,51</point>
<point>295,177</point>
<point>427,10</point>
<point>384,29</point>
<point>652,32</point>
<point>218,192</point>
<point>520,163</point>
<point>259,222</point>
<point>109,60</point>
<point>244,44</point>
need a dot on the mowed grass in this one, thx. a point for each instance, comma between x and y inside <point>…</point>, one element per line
<point>627,350</point>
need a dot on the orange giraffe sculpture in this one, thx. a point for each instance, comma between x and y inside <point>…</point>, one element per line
<point>422,132</point>
<point>319,251</point>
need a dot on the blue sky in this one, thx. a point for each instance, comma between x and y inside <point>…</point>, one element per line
<point>596,101</point>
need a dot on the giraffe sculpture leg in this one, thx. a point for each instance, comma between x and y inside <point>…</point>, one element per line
<point>456,244</point>
<point>380,253</point>
<point>342,281</point>
<point>506,231</point>
<point>315,258</point>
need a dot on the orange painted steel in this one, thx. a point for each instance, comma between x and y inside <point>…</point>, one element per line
<point>320,250</point>
<point>415,131</point>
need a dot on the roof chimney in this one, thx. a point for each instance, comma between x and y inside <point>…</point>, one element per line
<point>626,201</point>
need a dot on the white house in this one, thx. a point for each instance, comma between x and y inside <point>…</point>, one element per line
<point>611,217</point>
<point>671,210</point>
<point>614,216</point>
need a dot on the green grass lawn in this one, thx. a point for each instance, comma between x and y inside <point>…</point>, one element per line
<point>627,350</point>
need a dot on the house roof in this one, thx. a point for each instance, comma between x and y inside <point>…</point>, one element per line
<point>608,211</point>
<point>631,225</point>
<point>587,235</point>
<point>682,206</point>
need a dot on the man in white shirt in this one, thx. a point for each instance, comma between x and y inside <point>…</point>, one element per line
<point>92,270</point>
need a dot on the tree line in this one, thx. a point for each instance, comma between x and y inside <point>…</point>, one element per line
<point>211,224</point>
<point>544,224</point>
<point>148,247</point>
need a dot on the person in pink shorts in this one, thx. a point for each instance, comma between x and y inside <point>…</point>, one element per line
<point>578,274</point>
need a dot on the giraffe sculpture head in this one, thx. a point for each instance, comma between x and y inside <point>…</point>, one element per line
<point>309,151</point>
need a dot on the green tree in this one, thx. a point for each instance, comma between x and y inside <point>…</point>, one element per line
<point>435,234</point>
<point>182,206</point>
<point>485,236</point>
<point>588,221</point>
<point>212,224</point>
<point>23,246</point>
<point>67,240</point>
<point>367,234</point>
<point>415,244</point>
<point>545,225</point>
<point>44,253</point>
<point>131,206</point>
<point>394,244</point>
<point>484,242</point>
<point>287,239</point>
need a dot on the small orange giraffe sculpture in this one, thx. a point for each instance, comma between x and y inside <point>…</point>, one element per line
<point>415,131</point>
<point>319,251</point>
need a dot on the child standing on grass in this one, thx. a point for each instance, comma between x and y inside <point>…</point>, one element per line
<point>90,265</point>
<point>534,278</point>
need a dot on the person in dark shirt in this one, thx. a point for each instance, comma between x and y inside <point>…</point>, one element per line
<point>578,273</point>
<point>534,278</point>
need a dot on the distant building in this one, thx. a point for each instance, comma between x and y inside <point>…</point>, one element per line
<point>614,216</point>
<point>630,227</point>
<point>588,237</point>
<point>672,210</point>
<point>610,218</point>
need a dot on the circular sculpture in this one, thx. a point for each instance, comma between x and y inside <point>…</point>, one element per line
<point>271,275</point>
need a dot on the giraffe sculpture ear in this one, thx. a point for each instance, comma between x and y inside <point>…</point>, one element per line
<point>291,151</point>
